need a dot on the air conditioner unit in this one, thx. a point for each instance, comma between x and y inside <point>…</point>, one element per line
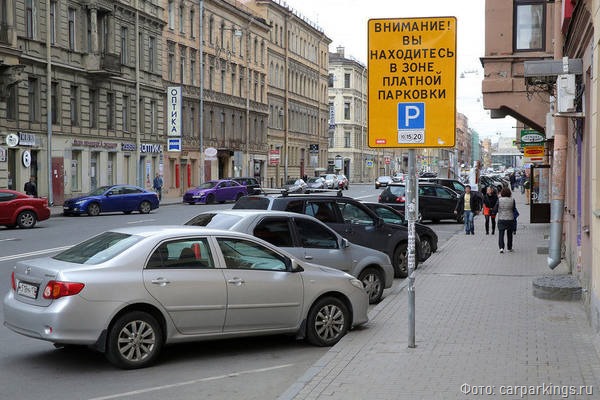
<point>549,126</point>
<point>565,93</point>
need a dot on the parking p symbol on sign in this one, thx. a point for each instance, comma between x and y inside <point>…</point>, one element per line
<point>411,123</point>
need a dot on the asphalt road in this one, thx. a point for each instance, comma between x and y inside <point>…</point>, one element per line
<point>255,368</point>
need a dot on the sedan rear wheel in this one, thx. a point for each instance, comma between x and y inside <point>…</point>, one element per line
<point>210,199</point>
<point>134,341</point>
<point>93,210</point>
<point>328,321</point>
<point>373,281</point>
<point>26,219</point>
<point>145,207</point>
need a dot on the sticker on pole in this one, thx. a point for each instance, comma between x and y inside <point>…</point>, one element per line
<point>411,123</point>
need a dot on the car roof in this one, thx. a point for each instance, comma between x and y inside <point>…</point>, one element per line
<point>169,230</point>
<point>249,212</point>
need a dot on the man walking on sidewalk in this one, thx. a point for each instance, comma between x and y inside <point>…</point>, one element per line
<point>469,204</point>
<point>157,185</point>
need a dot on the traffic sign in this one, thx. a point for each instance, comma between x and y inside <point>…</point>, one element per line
<point>412,82</point>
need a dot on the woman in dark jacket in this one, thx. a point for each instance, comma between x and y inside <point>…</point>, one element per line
<point>505,209</point>
<point>490,198</point>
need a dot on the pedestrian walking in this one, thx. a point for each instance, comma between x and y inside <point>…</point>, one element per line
<point>157,185</point>
<point>513,180</point>
<point>30,187</point>
<point>490,198</point>
<point>505,211</point>
<point>469,204</point>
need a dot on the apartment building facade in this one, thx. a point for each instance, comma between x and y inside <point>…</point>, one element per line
<point>349,153</point>
<point>71,116</point>
<point>297,93</point>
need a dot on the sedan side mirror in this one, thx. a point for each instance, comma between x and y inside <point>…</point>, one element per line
<point>345,243</point>
<point>295,266</point>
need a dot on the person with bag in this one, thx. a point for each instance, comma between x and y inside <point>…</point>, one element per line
<point>516,215</point>
<point>505,211</point>
<point>490,198</point>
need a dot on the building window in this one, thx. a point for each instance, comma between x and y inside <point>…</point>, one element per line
<point>529,25</point>
<point>192,22</point>
<point>141,113</point>
<point>182,53</point>
<point>124,47</point>
<point>192,67</point>
<point>125,113</point>
<point>93,108</point>
<point>32,96</point>
<point>211,72</point>
<point>153,116</point>
<point>11,103</point>
<point>330,140</point>
<point>141,50</point>
<point>346,110</point>
<point>181,19</point>
<point>347,81</point>
<point>171,15</point>
<point>110,111</point>
<point>72,29</point>
<point>170,61</point>
<point>330,80</point>
<point>54,101</point>
<point>88,21</point>
<point>347,139</point>
<point>30,18</point>
<point>53,22</point>
<point>192,118</point>
<point>211,30</point>
<point>223,74</point>
<point>74,101</point>
<point>151,50</point>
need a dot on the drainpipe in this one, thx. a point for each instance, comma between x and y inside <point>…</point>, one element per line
<point>559,167</point>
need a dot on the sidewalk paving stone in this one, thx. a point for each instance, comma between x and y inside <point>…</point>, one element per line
<point>477,323</point>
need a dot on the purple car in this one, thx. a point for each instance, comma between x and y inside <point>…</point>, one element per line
<point>218,190</point>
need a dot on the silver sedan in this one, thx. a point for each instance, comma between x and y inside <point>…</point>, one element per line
<point>306,237</point>
<point>129,291</point>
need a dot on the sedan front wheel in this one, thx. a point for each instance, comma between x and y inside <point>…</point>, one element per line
<point>328,321</point>
<point>145,207</point>
<point>134,341</point>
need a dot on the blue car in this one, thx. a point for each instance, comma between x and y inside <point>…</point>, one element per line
<point>217,190</point>
<point>115,198</point>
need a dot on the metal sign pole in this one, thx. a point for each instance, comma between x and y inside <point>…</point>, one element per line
<point>411,212</point>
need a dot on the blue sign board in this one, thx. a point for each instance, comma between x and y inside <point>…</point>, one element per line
<point>174,144</point>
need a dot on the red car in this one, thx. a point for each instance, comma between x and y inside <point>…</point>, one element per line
<point>20,209</point>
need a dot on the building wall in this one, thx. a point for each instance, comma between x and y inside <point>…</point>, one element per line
<point>349,135</point>
<point>91,137</point>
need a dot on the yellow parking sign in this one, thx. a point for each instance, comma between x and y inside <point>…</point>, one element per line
<point>412,82</point>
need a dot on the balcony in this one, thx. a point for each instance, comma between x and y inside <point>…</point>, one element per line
<point>4,33</point>
<point>103,64</point>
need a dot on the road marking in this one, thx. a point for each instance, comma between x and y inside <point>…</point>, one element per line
<point>192,382</point>
<point>8,240</point>
<point>141,220</point>
<point>33,253</point>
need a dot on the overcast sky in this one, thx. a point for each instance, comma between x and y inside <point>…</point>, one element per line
<point>345,23</point>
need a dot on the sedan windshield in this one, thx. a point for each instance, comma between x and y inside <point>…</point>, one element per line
<point>207,185</point>
<point>214,220</point>
<point>99,191</point>
<point>98,249</point>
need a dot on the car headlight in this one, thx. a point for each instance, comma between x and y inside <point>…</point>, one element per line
<point>356,283</point>
<point>80,202</point>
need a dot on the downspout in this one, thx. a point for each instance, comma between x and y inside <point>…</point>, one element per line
<point>559,167</point>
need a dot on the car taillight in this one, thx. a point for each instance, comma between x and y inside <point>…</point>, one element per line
<point>400,199</point>
<point>13,283</point>
<point>58,289</point>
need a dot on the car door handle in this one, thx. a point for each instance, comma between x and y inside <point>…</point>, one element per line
<point>308,257</point>
<point>160,281</point>
<point>236,281</point>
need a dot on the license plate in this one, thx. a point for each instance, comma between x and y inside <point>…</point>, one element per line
<point>27,290</point>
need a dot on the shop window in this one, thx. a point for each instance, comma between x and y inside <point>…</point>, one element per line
<point>75,171</point>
